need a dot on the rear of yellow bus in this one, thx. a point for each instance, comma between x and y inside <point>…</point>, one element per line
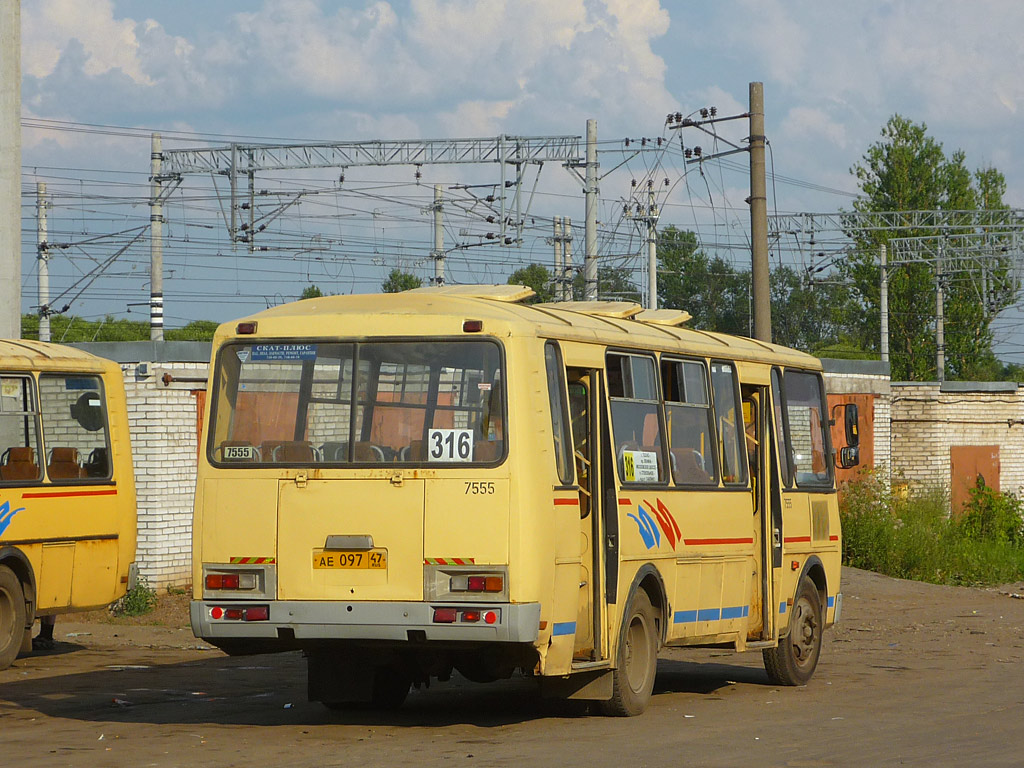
<point>353,501</point>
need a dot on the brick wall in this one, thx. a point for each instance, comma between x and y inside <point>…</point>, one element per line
<point>163,422</point>
<point>928,419</point>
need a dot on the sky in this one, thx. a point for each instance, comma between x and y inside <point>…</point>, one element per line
<point>99,76</point>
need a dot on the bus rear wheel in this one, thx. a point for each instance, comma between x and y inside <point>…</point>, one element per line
<point>637,660</point>
<point>12,616</point>
<point>793,661</point>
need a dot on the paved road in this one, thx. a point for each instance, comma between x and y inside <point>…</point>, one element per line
<point>915,675</point>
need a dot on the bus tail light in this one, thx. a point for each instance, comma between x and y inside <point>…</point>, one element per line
<point>444,615</point>
<point>240,613</point>
<point>257,613</point>
<point>477,583</point>
<point>220,581</point>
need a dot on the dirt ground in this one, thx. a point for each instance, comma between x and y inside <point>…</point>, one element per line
<point>914,675</point>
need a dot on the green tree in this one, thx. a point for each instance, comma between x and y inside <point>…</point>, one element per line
<point>398,281</point>
<point>537,277</point>
<point>613,284</point>
<point>908,170</point>
<point>197,330</point>
<point>70,329</point>
<point>311,292</point>
<point>715,294</point>
<point>809,315</point>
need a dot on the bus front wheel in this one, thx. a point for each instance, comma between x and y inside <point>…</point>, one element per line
<point>12,616</point>
<point>793,661</point>
<point>636,661</point>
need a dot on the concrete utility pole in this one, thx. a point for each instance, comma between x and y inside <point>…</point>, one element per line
<point>759,218</point>
<point>565,279</point>
<point>590,235</point>
<point>556,239</point>
<point>652,250</point>
<point>884,302</point>
<point>156,242</point>
<point>940,325</point>
<point>43,257</point>
<point>438,252</point>
<point>10,169</point>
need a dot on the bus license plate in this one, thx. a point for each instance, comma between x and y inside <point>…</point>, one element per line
<point>373,560</point>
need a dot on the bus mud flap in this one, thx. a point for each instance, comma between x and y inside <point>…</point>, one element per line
<point>592,685</point>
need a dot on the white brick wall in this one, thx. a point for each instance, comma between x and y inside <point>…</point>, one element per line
<point>163,422</point>
<point>928,422</point>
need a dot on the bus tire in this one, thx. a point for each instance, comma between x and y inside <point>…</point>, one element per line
<point>636,661</point>
<point>12,616</point>
<point>792,662</point>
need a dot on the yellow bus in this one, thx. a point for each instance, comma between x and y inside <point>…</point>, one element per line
<point>67,491</point>
<point>408,484</point>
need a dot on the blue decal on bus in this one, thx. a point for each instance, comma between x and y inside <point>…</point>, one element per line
<point>7,514</point>
<point>564,628</point>
<point>711,614</point>
<point>648,530</point>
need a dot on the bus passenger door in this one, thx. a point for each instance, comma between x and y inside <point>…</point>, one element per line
<point>755,421</point>
<point>583,415</point>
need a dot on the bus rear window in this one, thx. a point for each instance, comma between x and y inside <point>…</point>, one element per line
<point>423,402</point>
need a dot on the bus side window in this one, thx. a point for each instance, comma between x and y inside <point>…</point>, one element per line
<point>74,415</point>
<point>559,412</point>
<point>636,423</point>
<point>729,420</point>
<point>689,422</point>
<point>19,438</point>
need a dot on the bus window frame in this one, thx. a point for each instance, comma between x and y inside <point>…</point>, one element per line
<point>712,421</point>
<point>569,459</point>
<point>744,483</point>
<point>778,386</point>
<point>99,480</point>
<point>659,410</point>
<point>353,401</point>
<point>39,448</point>
<point>826,440</point>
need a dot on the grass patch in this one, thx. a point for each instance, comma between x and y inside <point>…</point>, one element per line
<point>912,536</point>
<point>138,601</point>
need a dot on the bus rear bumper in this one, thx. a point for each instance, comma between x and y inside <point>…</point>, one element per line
<point>307,620</point>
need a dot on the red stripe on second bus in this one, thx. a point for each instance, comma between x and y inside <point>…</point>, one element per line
<point>707,542</point>
<point>567,502</point>
<point>797,540</point>
<point>64,494</point>
<point>625,503</point>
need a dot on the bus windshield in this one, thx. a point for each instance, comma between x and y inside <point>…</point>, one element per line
<point>423,402</point>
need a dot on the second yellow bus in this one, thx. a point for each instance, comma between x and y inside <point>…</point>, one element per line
<point>447,479</point>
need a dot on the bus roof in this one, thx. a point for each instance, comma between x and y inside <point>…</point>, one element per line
<point>433,311</point>
<point>28,354</point>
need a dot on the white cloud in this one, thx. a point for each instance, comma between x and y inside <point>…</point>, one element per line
<point>810,124</point>
<point>49,25</point>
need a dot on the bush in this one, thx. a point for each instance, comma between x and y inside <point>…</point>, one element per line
<point>138,600</point>
<point>993,516</point>
<point>913,537</point>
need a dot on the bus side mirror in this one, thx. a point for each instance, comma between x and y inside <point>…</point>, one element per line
<point>852,427</point>
<point>849,455</point>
